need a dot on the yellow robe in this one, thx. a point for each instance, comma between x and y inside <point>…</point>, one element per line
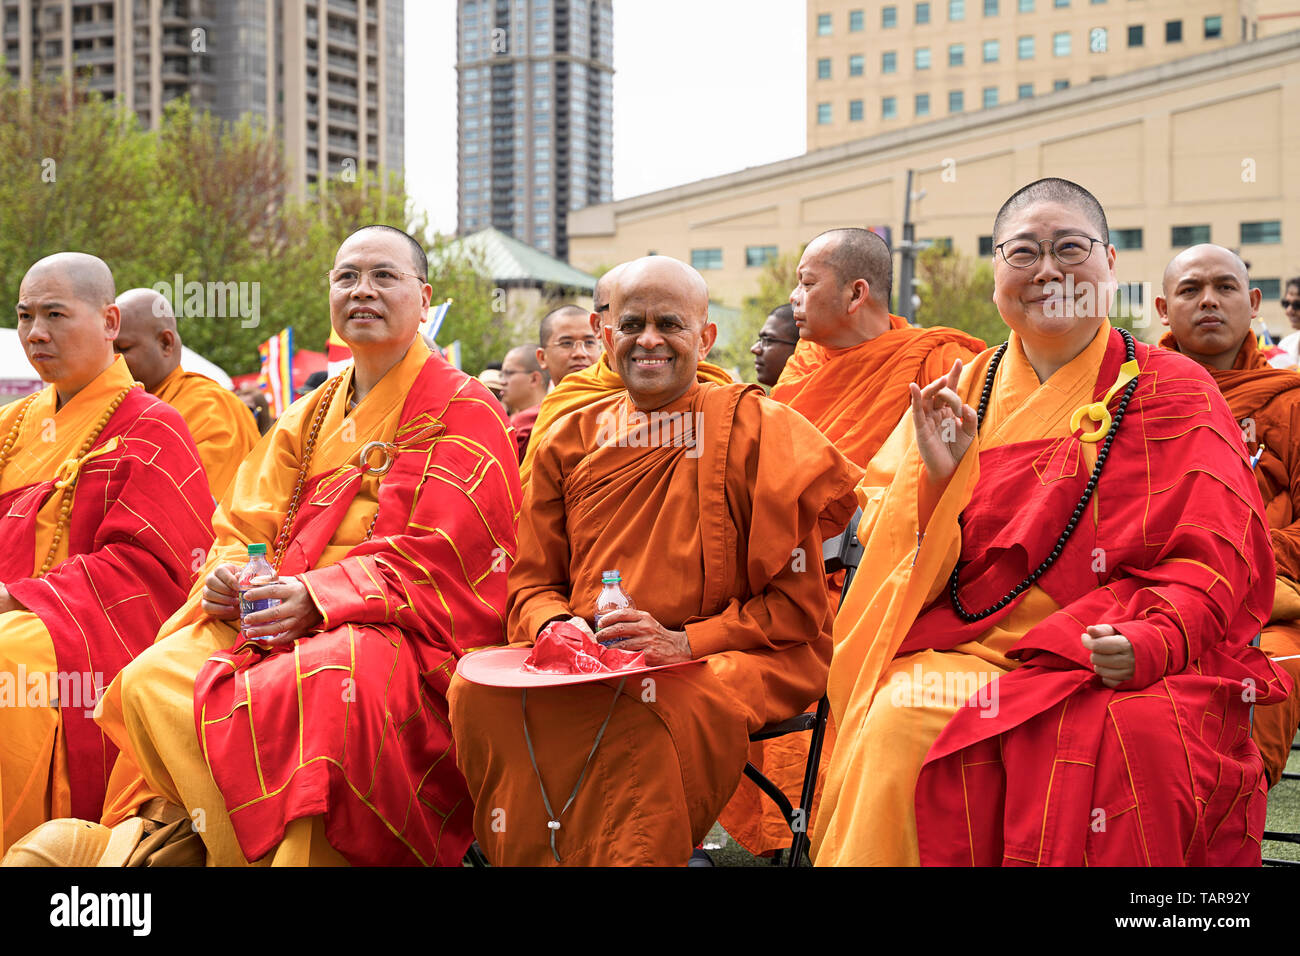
<point>221,425</point>
<point>148,710</point>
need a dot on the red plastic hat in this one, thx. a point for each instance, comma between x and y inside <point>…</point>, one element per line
<point>563,655</point>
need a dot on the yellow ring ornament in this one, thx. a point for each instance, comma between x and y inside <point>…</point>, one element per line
<point>1097,411</point>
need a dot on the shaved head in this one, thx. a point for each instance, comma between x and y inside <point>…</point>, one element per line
<point>1226,259</point>
<point>525,356</point>
<point>600,295</point>
<point>148,339</point>
<point>86,277</point>
<point>547,329</point>
<point>524,379</point>
<point>568,342</point>
<point>1057,191</point>
<point>1208,304</point>
<point>854,253</point>
<point>650,272</point>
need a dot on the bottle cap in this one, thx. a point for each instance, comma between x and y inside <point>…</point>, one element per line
<point>610,577</point>
<point>255,549</point>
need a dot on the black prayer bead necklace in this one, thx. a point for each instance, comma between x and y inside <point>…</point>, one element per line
<point>969,617</point>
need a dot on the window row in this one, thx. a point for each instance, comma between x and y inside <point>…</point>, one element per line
<point>712,258</point>
<point>989,97</point>
<point>1211,25</point>
<point>1263,233</point>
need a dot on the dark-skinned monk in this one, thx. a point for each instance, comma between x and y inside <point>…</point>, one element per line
<point>314,732</point>
<point>218,420</point>
<point>106,515</point>
<point>707,533</point>
<point>598,381</point>
<point>775,344</point>
<point>1209,306</point>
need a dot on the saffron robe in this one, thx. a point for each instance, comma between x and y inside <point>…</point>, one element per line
<point>692,528</point>
<point>351,721</point>
<point>1266,403</point>
<point>580,389</point>
<point>140,513</point>
<point>855,396</point>
<point>1049,766</point>
<point>222,426</point>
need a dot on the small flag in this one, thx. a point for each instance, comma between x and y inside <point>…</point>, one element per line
<point>276,376</point>
<point>433,322</point>
<point>452,354</point>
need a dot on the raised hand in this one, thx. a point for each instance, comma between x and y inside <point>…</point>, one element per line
<point>945,427</point>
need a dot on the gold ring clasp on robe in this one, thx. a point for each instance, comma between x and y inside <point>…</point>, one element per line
<point>380,469</point>
<point>1097,411</point>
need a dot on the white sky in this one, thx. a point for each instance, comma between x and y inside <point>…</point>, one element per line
<point>701,88</point>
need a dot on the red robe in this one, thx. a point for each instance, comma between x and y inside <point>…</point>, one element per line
<point>399,610</point>
<point>1161,770</point>
<point>141,513</point>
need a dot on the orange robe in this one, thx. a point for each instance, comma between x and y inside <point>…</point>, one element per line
<point>934,764</point>
<point>222,426</point>
<point>350,723</point>
<point>855,397</point>
<point>701,549</point>
<point>580,389</point>
<point>1266,403</point>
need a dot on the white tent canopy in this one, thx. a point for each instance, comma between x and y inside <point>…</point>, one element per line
<point>14,367</point>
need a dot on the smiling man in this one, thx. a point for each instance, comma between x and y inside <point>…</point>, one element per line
<point>688,489</point>
<point>1044,659</point>
<point>1209,307</point>
<point>216,417</point>
<point>103,506</point>
<point>386,499</point>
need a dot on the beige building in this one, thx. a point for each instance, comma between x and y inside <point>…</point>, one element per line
<point>1203,148</point>
<point>880,66</point>
<point>326,74</point>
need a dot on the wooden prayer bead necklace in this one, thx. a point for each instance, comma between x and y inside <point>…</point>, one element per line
<point>282,539</point>
<point>1102,454</point>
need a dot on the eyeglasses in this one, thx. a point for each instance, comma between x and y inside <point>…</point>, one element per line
<point>1067,250</point>
<point>570,345</point>
<point>1291,303</point>
<point>767,341</point>
<point>346,280</point>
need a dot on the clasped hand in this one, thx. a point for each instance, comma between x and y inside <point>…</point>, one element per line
<point>636,630</point>
<point>292,618</point>
<point>1112,654</point>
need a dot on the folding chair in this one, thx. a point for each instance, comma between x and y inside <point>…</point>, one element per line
<point>841,553</point>
<point>1279,836</point>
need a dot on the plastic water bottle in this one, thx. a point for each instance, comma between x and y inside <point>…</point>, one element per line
<point>257,567</point>
<point>612,597</point>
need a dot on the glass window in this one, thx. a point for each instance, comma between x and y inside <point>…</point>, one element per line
<point>706,258</point>
<point>856,64</point>
<point>823,114</point>
<point>1271,289</point>
<point>888,17</point>
<point>1261,233</point>
<point>1213,28</point>
<point>1060,3</point>
<point>756,255</point>
<point>1026,6</point>
<point>990,51</point>
<point>956,101</point>
<point>990,8</point>
<point>922,104</point>
<point>1060,85</point>
<point>923,58</point>
<point>1126,238</point>
<point>855,21</point>
<point>889,107</point>
<point>888,62</point>
<point>922,13</point>
<point>1061,44</point>
<point>1182,236</point>
<point>823,24</point>
<point>990,97</point>
<point>824,68</point>
<point>1024,91</point>
<point>1025,48</point>
<point>986,245</point>
<point>1135,35</point>
<point>1173,31</point>
<point>956,9</point>
<point>855,110</point>
<point>956,54</point>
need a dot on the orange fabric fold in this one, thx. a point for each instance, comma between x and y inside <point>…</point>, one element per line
<point>221,425</point>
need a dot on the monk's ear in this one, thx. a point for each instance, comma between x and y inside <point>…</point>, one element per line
<point>167,341</point>
<point>708,335</point>
<point>426,296</point>
<point>594,319</point>
<point>861,289</point>
<point>541,359</point>
<point>1256,297</point>
<point>112,321</point>
<point>1162,309</point>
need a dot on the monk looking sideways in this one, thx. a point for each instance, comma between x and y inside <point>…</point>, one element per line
<point>708,562</point>
<point>104,507</point>
<point>332,746</point>
<point>1063,538</point>
<point>218,421</point>
<point>1209,306</point>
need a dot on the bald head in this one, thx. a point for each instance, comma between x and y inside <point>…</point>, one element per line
<point>1225,260</point>
<point>604,289</point>
<point>568,342</point>
<point>523,356</point>
<point>853,254</point>
<point>85,277</point>
<point>524,379</point>
<point>1208,304</point>
<point>546,331</point>
<point>148,339</point>
<point>643,277</point>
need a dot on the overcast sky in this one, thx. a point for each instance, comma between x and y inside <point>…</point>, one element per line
<point>701,87</point>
